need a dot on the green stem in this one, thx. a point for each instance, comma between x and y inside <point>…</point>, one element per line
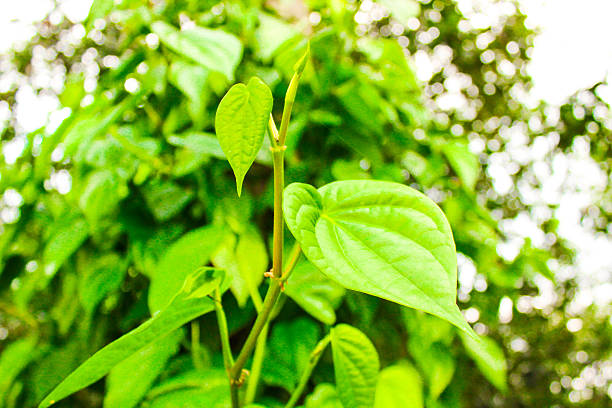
<point>258,358</point>
<point>294,257</point>
<point>196,354</point>
<point>312,363</point>
<point>228,360</point>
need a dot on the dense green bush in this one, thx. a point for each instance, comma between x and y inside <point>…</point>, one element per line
<point>132,192</point>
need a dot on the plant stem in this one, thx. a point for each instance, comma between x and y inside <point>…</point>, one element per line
<point>228,360</point>
<point>294,257</point>
<point>195,345</point>
<point>312,363</point>
<point>258,358</point>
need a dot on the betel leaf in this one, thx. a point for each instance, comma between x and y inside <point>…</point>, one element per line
<point>189,252</point>
<point>489,357</point>
<point>192,301</point>
<point>399,386</point>
<point>138,372</point>
<point>381,238</point>
<point>240,124</point>
<point>216,50</point>
<point>356,366</point>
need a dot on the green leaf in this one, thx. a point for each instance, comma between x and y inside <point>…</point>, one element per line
<point>102,276</point>
<point>193,389</point>
<point>138,372</point>
<point>215,50</point>
<point>436,362</point>
<point>241,122</point>
<point>188,304</point>
<point>165,199</point>
<point>381,238</point>
<point>66,240</point>
<point>191,80</point>
<point>288,352</point>
<point>101,195</point>
<point>399,386</point>
<point>463,162</point>
<point>184,256</point>
<point>14,358</point>
<point>314,292</point>
<point>271,35</point>
<point>99,9</point>
<point>323,396</point>
<point>245,258</point>
<point>356,366</point>
<point>489,358</point>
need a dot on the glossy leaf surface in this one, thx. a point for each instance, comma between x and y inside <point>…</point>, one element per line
<point>240,123</point>
<point>381,238</point>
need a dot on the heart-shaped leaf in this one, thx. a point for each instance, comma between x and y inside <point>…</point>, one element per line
<point>356,366</point>
<point>241,123</point>
<point>381,238</point>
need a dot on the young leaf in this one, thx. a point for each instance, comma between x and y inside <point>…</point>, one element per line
<point>192,301</point>
<point>489,358</point>
<point>356,366</point>
<point>399,386</point>
<point>241,122</point>
<point>381,238</point>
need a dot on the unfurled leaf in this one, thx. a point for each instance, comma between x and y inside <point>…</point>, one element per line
<point>138,372</point>
<point>241,122</point>
<point>216,50</point>
<point>184,256</point>
<point>399,386</point>
<point>188,304</point>
<point>381,238</point>
<point>314,292</point>
<point>489,358</point>
<point>356,366</point>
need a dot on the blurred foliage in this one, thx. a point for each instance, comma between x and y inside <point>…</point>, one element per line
<point>128,186</point>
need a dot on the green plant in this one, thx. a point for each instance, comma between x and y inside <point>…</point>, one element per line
<point>381,238</point>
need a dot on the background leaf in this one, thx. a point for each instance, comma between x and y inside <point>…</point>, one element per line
<point>188,304</point>
<point>356,366</point>
<point>399,386</point>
